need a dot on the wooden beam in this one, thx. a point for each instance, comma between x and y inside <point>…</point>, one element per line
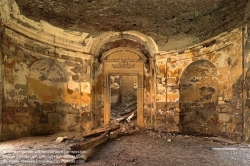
<point>125,116</point>
<point>90,143</point>
<point>101,130</point>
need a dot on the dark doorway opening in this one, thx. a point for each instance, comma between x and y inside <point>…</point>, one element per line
<point>123,94</point>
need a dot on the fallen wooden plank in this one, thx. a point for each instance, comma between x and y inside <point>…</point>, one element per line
<point>99,131</point>
<point>90,143</point>
<point>220,139</point>
<point>125,116</point>
<point>132,116</point>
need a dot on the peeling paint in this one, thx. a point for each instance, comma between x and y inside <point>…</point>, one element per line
<point>55,80</point>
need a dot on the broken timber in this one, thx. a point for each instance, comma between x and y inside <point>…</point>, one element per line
<point>220,139</point>
<point>125,116</point>
<point>101,135</point>
<point>101,130</point>
<point>94,138</point>
<point>90,143</point>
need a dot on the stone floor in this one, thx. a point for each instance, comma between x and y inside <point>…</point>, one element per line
<point>141,148</point>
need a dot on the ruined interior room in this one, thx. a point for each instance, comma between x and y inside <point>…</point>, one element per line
<point>121,82</point>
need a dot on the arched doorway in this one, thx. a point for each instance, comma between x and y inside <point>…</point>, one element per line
<point>198,98</point>
<point>123,63</point>
<point>138,64</point>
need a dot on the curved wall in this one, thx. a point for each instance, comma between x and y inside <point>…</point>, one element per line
<point>43,91</point>
<point>225,52</point>
<point>46,77</point>
<point>52,81</point>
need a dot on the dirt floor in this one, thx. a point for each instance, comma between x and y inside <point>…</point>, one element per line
<point>143,147</point>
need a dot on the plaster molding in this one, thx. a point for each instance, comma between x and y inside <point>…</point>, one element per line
<point>43,31</point>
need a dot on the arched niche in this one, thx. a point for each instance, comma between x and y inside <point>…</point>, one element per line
<point>198,98</point>
<point>46,81</point>
<point>131,39</point>
<point>123,62</point>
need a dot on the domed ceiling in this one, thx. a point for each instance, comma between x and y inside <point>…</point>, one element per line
<point>200,19</point>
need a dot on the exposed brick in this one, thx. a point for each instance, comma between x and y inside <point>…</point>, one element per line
<point>223,118</point>
<point>20,53</point>
<point>7,51</point>
<point>65,57</point>
<point>28,46</point>
<point>78,59</point>
<point>40,50</point>
<point>53,54</point>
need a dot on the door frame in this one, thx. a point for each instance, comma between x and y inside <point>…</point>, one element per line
<point>129,66</point>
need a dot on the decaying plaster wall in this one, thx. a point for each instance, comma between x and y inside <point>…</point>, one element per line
<point>43,92</point>
<point>198,98</point>
<point>1,115</point>
<point>200,88</point>
<point>246,104</point>
<point>53,80</point>
<point>46,77</point>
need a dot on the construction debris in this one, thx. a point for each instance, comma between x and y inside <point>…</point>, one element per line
<point>220,139</point>
<point>97,132</point>
<point>132,116</point>
<point>63,139</point>
<point>89,143</point>
<point>113,134</point>
<point>124,110</point>
<point>98,136</point>
<point>128,117</point>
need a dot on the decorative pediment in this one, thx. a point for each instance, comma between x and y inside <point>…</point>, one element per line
<point>123,55</point>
